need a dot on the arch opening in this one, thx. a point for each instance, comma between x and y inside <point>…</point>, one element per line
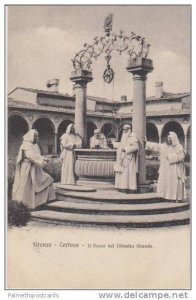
<point>17,127</point>
<point>172,126</point>
<point>109,130</point>
<point>46,135</point>
<point>152,133</point>
<point>90,131</point>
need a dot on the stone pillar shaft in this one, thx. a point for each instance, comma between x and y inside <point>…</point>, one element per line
<point>80,111</point>
<point>140,67</point>
<point>159,139</point>
<point>81,78</point>
<point>185,143</point>
<point>55,143</point>
<point>139,121</point>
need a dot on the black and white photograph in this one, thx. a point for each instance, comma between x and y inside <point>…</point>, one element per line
<point>98,151</point>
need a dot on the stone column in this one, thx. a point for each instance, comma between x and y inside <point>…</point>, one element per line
<point>55,143</point>
<point>140,67</point>
<point>30,125</point>
<point>160,128</point>
<point>159,139</point>
<point>81,78</point>
<point>185,143</point>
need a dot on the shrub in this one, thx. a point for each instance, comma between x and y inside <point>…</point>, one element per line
<point>187,157</point>
<point>11,166</point>
<point>152,170</point>
<point>188,182</point>
<point>18,214</point>
<point>10,174</point>
<point>187,168</point>
<point>9,187</point>
<point>54,169</point>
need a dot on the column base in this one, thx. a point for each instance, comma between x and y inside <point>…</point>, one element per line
<point>144,188</point>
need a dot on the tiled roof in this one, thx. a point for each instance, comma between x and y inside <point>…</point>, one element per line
<point>37,91</point>
<point>166,96</point>
<point>171,112</point>
<point>103,100</point>
<point>25,105</point>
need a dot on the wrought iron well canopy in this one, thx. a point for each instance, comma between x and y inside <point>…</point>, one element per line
<point>134,45</point>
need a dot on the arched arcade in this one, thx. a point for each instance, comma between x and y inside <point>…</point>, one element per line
<point>46,131</point>
<point>172,126</point>
<point>17,127</point>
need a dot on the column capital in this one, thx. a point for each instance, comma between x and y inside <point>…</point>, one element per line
<point>81,77</point>
<point>140,67</point>
<point>139,76</point>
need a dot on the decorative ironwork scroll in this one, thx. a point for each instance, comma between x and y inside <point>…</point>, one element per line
<point>134,45</point>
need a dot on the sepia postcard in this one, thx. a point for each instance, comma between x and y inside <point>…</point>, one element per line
<point>98,114</point>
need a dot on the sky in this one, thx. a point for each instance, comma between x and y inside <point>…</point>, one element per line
<point>42,41</point>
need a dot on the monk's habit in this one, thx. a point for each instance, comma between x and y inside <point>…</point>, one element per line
<point>32,186</point>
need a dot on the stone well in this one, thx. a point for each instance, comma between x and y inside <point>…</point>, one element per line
<point>95,165</point>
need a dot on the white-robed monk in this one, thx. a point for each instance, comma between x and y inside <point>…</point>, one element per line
<point>126,166</point>
<point>68,142</point>
<point>98,140</point>
<point>171,181</point>
<point>32,186</point>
